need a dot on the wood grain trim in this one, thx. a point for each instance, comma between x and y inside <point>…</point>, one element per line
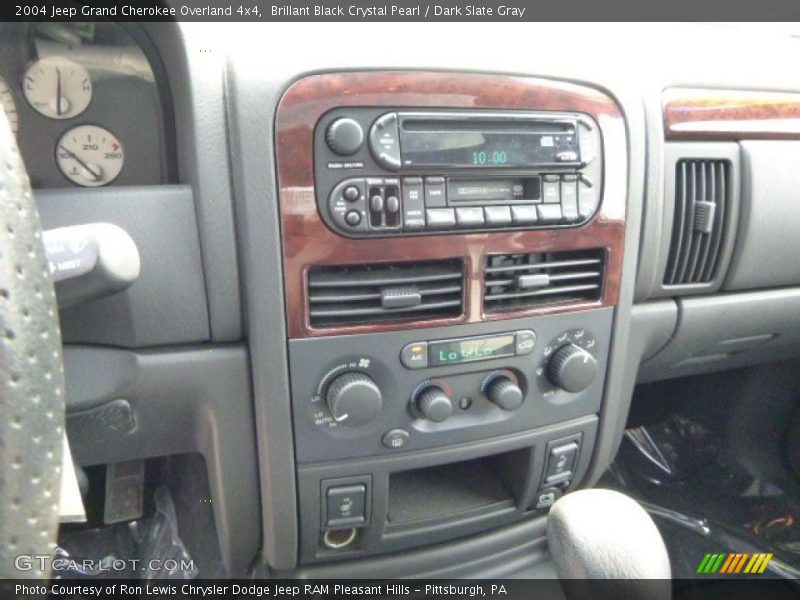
<point>695,114</point>
<point>308,241</point>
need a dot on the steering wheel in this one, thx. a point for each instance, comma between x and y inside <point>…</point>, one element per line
<point>31,377</point>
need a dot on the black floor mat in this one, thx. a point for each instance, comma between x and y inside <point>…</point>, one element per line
<point>702,503</point>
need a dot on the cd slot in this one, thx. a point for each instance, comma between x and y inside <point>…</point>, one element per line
<point>507,189</point>
<point>486,125</point>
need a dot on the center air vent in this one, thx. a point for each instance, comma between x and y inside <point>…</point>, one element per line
<point>702,216</point>
<point>524,280</point>
<point>362,294</point>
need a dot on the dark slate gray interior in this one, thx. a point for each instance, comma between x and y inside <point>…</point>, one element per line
<point>194,357</point>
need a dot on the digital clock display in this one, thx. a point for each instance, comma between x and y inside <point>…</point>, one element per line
<point>450,352</point>
<point>485,149</point>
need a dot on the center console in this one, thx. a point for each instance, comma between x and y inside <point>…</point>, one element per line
<point>452,249</point>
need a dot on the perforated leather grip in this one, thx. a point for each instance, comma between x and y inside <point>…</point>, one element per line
<point>31,376</point>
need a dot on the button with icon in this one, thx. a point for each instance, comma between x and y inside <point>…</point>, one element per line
<point>415,355</point>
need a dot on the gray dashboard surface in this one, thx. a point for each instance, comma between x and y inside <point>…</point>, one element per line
<point>724,331</point>
<point>196,78</point>
<point>769,229</point>
<point>182,400</point>
<point>167,304</point>
<point>253,91</point>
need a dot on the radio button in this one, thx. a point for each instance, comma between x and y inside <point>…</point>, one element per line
<point>524,214</point>
<point>567,156</point>
<point>435,195</point>
<point>569,198</point>
<point>351,193</point>
<point>549,213</point>
<point>497,215</point>
<point>392,204</point>
<point>376,203</point>
<point>587,200</point>
<point>441,218</point>
<point>353,218</point>
<point>469,216</point>
<point>415,355</point>
<point>413,203</point>
<point>551,193</point>
<point>384,142</point>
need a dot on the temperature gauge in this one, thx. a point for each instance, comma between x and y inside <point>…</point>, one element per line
<point>89,155</point>
<point>57,87</point>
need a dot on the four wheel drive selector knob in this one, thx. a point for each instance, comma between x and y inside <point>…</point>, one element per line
<point>434,404</point>
<point>354,399</point>
<point>505,393</point>
<point>572,368</point>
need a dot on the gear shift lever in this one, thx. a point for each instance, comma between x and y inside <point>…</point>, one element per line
<point>602,534</point>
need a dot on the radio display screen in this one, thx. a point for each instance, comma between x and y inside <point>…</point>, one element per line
<point>454,147</point>
<point>451,352</point>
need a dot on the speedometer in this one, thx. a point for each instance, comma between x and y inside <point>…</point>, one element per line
<point>9,106</point>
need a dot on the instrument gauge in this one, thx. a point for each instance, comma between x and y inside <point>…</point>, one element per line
<point>57,87</point>
<point>89,155</point>
<point>9,106</point>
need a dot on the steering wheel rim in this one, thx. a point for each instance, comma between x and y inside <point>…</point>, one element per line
<point>31,377</point>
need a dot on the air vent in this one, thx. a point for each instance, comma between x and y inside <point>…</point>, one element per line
<point>702,214</point>
<point>362,294</point>
<point>524,280</point>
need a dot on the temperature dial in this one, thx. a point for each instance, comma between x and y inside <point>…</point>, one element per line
<point>505,393</point>
<point>434,404</point>
<point>89,155</point>
<point>354,399</point>
<point>572,368</point>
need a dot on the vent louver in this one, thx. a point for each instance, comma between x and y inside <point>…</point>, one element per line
<point>363,294</point>
<point>523,280</point>
<point>702,214</point>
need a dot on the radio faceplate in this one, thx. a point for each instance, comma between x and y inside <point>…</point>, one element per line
<point>382,172</point>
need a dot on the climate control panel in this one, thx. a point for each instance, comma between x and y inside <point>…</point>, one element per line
<point>371,394</point>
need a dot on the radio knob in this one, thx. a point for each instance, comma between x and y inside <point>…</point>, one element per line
<point>354,399</point>
<point>344,136</point>
<point>384,142</point>
<point>434,404</point>
<point>504,393</point>
<point>572,368</point>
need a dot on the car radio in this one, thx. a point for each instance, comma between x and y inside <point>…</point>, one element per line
<point>402,172</point>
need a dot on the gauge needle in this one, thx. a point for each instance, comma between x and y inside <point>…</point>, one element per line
<point>58,91</point>
<point>91,171</point>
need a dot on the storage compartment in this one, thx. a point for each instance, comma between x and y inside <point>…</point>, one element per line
<point>457,491</point>
<point>726,331</point>
<point>765,254</point>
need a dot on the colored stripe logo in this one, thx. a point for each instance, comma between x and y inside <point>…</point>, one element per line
<point>734,563</point>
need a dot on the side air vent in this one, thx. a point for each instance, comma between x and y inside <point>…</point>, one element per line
<point>363,294</point>
<point>703,212</point>
<point>524,280</point>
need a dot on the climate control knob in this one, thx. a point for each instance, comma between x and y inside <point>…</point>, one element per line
<point>572,368</point>
<point>354,399</point>
<point>505,393</point>
<point>434,404</point>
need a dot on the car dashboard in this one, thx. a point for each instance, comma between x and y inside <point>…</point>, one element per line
<point>392,305</point>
